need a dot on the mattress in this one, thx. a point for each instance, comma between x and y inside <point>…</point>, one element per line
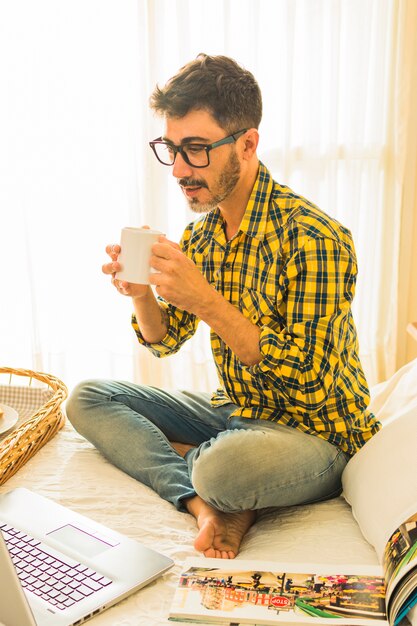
<point>73,473</point>
<point>70,471</point>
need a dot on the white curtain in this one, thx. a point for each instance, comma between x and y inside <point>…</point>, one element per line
<point>75,166</point>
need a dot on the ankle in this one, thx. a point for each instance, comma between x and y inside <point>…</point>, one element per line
<point>197,507</point>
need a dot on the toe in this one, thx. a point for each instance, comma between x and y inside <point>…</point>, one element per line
<point>210,553</point>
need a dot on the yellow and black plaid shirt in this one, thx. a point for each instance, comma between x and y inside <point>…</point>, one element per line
<point>291,270</point>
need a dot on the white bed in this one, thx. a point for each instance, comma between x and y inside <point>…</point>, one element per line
<point>69,470</point>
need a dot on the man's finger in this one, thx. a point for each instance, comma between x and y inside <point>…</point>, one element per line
<point>111,268</point>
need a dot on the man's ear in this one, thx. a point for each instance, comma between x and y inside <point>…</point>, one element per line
<point>250,143</point>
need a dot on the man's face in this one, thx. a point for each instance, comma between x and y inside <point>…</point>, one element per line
<point>204,188</point>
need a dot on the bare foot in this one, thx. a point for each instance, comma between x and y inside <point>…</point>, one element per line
<point>220,534</point>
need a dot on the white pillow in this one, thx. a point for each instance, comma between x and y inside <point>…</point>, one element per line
<point>397,395</point>
<point>379,481</point>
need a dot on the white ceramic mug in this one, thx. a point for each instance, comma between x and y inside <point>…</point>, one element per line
<point>136,244</point>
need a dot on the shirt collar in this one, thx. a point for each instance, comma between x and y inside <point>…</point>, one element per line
<point>256,213</point>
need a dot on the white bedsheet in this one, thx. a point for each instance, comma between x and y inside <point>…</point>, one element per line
<point>69,470</point>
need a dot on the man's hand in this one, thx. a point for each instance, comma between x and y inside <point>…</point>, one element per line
<point>122,286</point>
<point>178,280</point>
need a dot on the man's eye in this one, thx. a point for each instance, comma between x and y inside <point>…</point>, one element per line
<point>194,148</point>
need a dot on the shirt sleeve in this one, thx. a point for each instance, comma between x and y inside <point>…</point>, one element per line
<point>302,361</point>
<point>181,327</point>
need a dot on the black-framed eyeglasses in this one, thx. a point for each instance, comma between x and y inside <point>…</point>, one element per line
<point>195,154</point>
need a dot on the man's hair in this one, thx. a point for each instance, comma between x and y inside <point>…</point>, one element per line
<point>216,84</point>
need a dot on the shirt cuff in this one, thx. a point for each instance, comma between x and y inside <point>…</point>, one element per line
<point>271,347</point>
<point>166,346</point>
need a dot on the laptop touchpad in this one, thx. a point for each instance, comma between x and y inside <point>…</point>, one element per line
<point>79,540</point>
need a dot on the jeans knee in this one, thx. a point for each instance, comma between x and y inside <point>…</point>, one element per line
<point>215,486</point>
<point>81,398</point>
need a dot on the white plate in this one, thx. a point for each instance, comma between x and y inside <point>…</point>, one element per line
<point>9,418</point>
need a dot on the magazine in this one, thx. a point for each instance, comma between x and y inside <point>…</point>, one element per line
<point>380,484</point>
<point>247,592</point>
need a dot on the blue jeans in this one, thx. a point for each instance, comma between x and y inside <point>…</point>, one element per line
<point>237,464</point>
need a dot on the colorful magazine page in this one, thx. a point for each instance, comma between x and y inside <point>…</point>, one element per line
<point>248,592</point>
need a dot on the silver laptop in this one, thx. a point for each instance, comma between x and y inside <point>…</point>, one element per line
<point>61,568</point>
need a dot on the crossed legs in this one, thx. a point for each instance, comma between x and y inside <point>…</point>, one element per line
<point>219,468</point>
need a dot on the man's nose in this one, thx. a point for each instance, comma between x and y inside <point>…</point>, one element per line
<point>181,169</point>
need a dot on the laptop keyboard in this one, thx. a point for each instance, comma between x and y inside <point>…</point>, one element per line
<point>58,582</point>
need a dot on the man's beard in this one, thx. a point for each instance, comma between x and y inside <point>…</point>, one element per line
<point>226,183</point>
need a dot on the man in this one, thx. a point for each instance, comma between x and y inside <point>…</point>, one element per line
<point>274,278</point>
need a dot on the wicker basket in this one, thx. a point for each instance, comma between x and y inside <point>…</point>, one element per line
<point>26,439</point>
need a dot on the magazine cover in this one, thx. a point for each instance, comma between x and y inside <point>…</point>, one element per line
<point>248,592</point>
<point>400,568</point>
